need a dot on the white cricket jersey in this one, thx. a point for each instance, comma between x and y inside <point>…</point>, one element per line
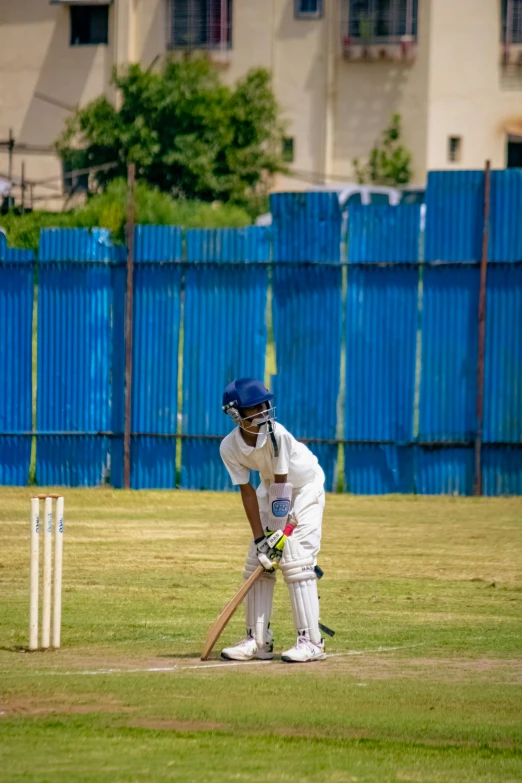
<point>294,458</point>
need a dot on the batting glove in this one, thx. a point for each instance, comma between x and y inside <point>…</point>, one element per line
<point>264,552</point>
<point>276,541</point>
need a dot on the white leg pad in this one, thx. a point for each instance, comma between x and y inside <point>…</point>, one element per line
<point>258,602</point>
<point>297,567</point>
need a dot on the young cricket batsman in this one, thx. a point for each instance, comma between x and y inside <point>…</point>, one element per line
<point>285,514</point>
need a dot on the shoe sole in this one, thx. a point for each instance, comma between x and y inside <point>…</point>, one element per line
<point>241,660</point>
<point>310,660</point>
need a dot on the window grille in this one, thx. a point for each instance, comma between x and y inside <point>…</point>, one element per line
<point>288,149</point>
<point>200,24</point>
<point>454,149</point>
<point>374,22</point>
<point>511,22</point>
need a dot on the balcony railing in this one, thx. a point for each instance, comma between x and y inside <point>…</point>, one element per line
<point>379,29</point>
<point>200,24</point>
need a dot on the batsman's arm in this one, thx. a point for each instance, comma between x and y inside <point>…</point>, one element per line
<point>250,504</point>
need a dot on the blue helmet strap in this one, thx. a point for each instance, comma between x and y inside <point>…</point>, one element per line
<point>272,436</point>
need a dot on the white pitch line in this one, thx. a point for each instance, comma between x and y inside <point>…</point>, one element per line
<point>228,665</point>
<point>156,669</point>
<point>144,670</point>
<point>377,650</point>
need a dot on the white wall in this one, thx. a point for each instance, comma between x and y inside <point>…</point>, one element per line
<point>40,75</point>
<point>466,97</point>
<point>335,109</point>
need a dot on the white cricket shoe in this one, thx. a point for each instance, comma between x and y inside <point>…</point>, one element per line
<point>247,649</point>
<point>304,651</point>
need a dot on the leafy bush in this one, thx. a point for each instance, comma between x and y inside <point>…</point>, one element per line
<point>108,210</point>
<point>389,163</point>
<point>188,134</point>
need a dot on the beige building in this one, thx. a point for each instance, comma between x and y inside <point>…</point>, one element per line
<point>451,68</point>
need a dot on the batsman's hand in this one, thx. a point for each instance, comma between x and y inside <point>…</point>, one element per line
<point>264,553</point>
<point>276,542</point>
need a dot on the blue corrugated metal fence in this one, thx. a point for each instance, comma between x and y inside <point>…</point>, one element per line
<point>307,317</point>
<point>377,355</point>
<point>16,318</point>
<point>224,338</point>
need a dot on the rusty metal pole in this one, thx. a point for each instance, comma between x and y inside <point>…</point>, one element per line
<point>128,325</point>
<point>477,484</point>
<point>23,188</point>
<point>10,147</point>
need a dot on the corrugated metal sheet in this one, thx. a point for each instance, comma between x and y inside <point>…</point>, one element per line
<point>378,470</point>
<point>381,330</point>
<point>74,359</point>
<point>157,243</point>
<point>72,460</point>
<point>117,389</point>
<point>454,216</point>
<point>505,240</point>
<point>77,244</point>
<point>15,255</point>
<point>157,313</point>
<point>502,470</point>
<point>448,390</point>
<point>307,318</point>
<point>307,226</point>
<point>16,316</point>
<point>444,471</point>
<point>224,338</point>
<point>503,355</point>
<point>383,233</point>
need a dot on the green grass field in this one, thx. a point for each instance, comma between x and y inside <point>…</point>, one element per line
<point>424,681</point>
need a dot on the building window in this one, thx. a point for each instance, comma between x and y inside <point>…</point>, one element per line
<point>89,24</point>
<point>306,9</point>
<point>511,22</point>
<point>382,21</point>
<point>200,24</point>
<point>514,154</point>
<point>454,149</point>
<point>288,150</point>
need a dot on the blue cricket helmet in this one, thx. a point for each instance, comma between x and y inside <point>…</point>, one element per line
<point>245,392</point>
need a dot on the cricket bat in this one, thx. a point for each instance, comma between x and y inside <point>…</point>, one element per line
<point>223,619</point>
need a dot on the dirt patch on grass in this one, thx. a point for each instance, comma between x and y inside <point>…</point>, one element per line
<point>363,668</point>
<point>180,725</point>
<point>447,670</point>
<point>345,733</point>
<point>59,705</point>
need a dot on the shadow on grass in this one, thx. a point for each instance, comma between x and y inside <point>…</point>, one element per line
<point>182,655</point>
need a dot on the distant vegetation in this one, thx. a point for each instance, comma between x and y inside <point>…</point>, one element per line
<point>108,210</point>
<point>188,134</point>
<point>389,162</point>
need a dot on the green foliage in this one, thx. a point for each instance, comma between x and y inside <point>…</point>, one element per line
<point>366,28</point>
<point>389,163</point>
<point>188,134</point>
<point>24,230</point>
<point>108,210</point>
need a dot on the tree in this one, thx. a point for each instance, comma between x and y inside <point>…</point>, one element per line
<point>188,134</point>
<point>389,163</point>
